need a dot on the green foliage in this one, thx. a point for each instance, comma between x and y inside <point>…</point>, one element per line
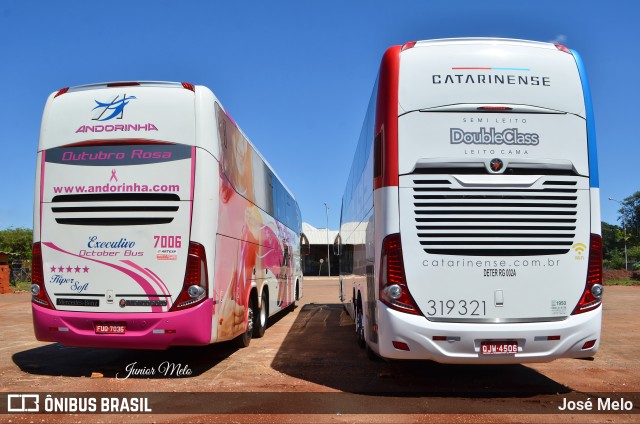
<point>614,261</point>
<point>630,214</point>
<point>610,242</point>
<point>17,240</point>
<point>634,253</point>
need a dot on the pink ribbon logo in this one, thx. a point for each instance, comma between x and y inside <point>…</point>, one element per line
<point>113,176</point>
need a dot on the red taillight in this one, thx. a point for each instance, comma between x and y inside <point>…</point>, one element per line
<point>400,345</point>
<point>407,46</point>
<point>61,92</point>
<point>494,108</point>
<point>563,48</point>
<point>38,291</point>
<point>123,84</point>
<point>589,344</point>
<point>189,86</point>
<point>592,296</point>
<point>393,283</point>
<point>195,278</point>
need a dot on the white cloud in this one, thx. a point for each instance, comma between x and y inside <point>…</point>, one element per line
<point>559,39</point>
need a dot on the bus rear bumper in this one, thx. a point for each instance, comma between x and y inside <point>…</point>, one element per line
<point>189,327</point>
<point>461,342</point>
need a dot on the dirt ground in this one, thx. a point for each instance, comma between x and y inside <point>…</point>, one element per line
<point>308,368</point>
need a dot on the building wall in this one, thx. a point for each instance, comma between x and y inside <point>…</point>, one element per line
<point>311,265</point>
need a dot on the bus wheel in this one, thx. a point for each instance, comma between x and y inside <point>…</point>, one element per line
<point>261,317</point>
<point>244,339</point>
<point>360,325</point>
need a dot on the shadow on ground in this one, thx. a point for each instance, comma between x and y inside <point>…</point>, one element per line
<point>321,348</point>
<point>58,360</point>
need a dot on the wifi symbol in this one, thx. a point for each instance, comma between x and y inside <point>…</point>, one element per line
<point>579,248</point>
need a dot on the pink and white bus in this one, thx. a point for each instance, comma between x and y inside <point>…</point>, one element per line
<point>470,225</point>
<point>157,223</point>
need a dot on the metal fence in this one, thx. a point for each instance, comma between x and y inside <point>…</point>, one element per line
<point>20,274</point>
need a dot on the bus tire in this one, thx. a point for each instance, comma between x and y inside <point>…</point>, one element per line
<point>244,339</point>
<point>261,317</point>
<point>359,319</point>
<point>296,295</point>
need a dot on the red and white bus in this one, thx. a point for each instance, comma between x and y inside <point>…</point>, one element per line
<point>157,223</point>
<point>470,225</point>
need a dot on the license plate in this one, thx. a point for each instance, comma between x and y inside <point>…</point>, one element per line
<point>110,327</point>
<point>499,348</point>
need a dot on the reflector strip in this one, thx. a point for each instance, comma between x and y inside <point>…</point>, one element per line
<point>400,345</point>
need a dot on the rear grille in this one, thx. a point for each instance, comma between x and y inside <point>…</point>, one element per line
<point>115,209</point>
<point>495,220</point>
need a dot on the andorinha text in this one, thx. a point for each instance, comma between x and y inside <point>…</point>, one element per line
<point>118,127</point>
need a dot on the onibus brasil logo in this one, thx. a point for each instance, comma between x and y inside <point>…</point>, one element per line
<point>115,107</point>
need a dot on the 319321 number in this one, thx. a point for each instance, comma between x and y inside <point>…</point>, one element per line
<point>474,308</point>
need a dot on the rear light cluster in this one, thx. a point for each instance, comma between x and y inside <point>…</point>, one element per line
<point>563,48</point>
<point>592,295</point>
<point>186,85</point>
<point>408,45</point>
<point>38,291</point>
<point>393,283</point>
<point>494,108</point>
<point>123,84</point>
<point>61,92</point>
<point>195,286</point>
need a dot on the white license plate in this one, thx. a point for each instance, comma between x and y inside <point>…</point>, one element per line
<point>499,348</point>
<point>110,327</point>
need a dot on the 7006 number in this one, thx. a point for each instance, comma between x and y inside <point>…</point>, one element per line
<point>473,308</point>
<point>168,242</point>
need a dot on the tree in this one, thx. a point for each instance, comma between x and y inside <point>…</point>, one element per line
<point>611,243</point>
<point>630,213</point>
<point>17,240</point>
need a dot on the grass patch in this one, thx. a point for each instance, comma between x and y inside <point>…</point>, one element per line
<point>622,283</point>
<point>21,286</point>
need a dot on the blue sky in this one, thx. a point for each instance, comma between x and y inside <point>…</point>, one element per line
<point>296,75</point>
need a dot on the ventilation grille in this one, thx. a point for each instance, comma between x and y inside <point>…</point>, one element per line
<point>482,221</point>
<point>115,209</point>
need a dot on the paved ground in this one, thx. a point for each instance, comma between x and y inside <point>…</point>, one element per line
<point>309,363</point>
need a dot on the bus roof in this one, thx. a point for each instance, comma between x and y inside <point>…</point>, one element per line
<point>447,72</point>
<point>100,112</point>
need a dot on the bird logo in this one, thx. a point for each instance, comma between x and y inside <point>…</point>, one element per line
<point>115,106</point>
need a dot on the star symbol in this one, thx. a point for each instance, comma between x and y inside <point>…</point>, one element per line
<point>53,268</point>
<point>86,269</point>
<point>60,269</point>
<point>69,269</point>
<point>77,269</point>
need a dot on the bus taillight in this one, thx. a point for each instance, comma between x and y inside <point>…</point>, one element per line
<point>393,283</point>
<point>408,45</point>
<point>61,92</point>
<point>592,296</point>
<point>195,286</point>
<point>38,291</point>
